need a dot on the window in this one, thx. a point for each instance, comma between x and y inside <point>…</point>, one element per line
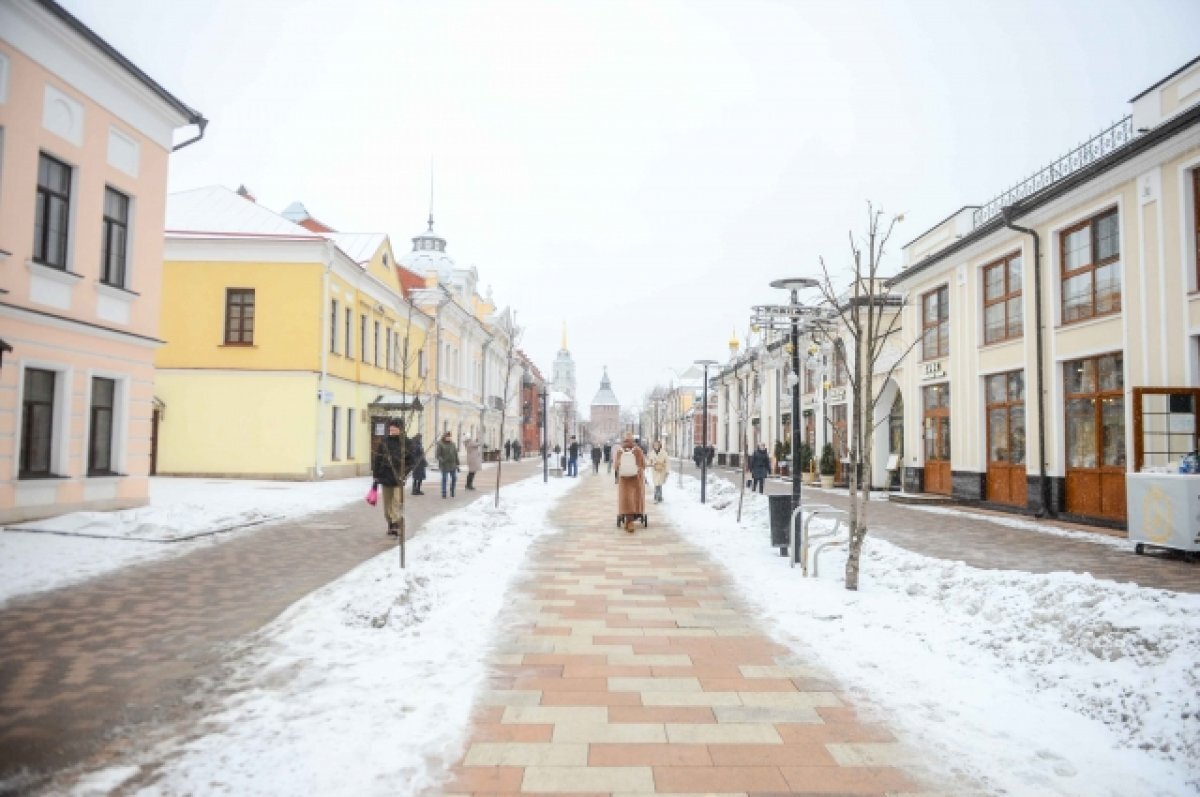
<point>37,423</point>
<point>1095,411</point>
<point>239,317</point>
<point>935,323</point>
<point>349,433</point>
<point>362,337</point>
<point>376,344</point>
<point>348,341</point>
<point>52,213</point>
<point>334,436</point>
<point>116,238</point>
<point>333,319</point>
<point>389,352</point>
<point>841,374</point>
<point>100,433</point>
<point>1166,421</point>
<point>420,362</point>
<point>1006,417</point>
<point>1196,221</point>
<point>1002,311</point>
<point>1091,268</point>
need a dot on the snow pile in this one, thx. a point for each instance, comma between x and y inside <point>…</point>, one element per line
<point>366,685</point>
<point>1055,684</point>
<point>182,513</point>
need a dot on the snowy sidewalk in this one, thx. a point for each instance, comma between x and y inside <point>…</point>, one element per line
<point>632,668</point>
<point>86,669</point>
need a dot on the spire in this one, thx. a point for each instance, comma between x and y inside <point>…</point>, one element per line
<point>430,193</point>
<point>564,337</point>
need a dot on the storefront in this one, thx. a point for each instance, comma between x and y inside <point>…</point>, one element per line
<point>1094,417</point>
<point>1006,479</point>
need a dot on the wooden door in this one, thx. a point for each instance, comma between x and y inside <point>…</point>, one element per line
<point>1005,419</point>
<point>1094,414</point>
<point>936,434</point>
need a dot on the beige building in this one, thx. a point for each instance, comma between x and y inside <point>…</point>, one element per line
<point>1059,323</point>
<point>85,137</point>
<point>604,425</point>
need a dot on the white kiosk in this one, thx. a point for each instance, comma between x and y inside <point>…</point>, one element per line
<point>1164,511</point>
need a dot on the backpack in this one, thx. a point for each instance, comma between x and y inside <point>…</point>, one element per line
<point>628,467</point>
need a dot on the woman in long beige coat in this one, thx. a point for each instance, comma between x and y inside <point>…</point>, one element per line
<point>659,465</point>
<point>631,490</point>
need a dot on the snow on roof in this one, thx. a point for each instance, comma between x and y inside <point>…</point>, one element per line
<point>358,246</point>
<point>217,209</point>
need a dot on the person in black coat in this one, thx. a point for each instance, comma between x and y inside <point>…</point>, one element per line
<point>416,456</point>
<point>697,453</point>
<point>508,449</point>
<point>608,456</point>
<point>390,467</point>
<point>597,454</point>
<point>760,466</point>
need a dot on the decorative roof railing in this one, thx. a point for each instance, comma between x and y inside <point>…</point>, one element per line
<point>1106,142</point>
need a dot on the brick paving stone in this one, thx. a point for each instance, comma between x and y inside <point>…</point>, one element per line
<point>978,537</point>
<point>96,665</point>
<point>661,701</point>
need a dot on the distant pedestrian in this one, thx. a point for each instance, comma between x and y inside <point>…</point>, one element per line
<point>608,456</point>
<point>597,455</point>
<point>697,455</point>
<point>659,465</point>
<point>630,464</point>
<point>389,468</point>
<point>760,467</point>
<point>508,449</point>
<point>416,454</point>
<point>516,449</point>
<point>573,457</point>
<point>474,460</point>
<point>712,453</point>
<point>447,459</point>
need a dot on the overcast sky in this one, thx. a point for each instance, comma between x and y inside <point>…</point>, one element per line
<point>641,170</point>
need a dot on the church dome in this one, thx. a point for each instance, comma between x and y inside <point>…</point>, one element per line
<point>429,254</point>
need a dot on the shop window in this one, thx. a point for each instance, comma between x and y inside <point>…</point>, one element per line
<point>1091,268</point>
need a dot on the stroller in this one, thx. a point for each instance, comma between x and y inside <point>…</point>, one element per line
<point>645,518</point>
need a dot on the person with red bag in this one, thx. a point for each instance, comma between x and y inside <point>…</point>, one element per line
<point>390,467</point>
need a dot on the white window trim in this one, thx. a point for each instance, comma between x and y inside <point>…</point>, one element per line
<point>60,444</point>
<point>119,443</point>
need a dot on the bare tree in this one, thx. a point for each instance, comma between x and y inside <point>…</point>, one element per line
<point>510,358</point>
<point>409,412</point>
<point>870,315</point>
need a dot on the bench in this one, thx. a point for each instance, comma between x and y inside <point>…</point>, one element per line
<point>809,513</point>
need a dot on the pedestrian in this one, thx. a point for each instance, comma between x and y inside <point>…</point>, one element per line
<point>608,456</point>
<point>697,453</point>
<point>760,466</point>
<point>389,469</point>
<point>712,453</point>
<point>597,455</point>
<point>573,457</point>
<point>507,449</point>
<point>659,465</point>
<point>517,450</point>
<point>474,460</point>
<point>416,455</point>
<point>447,459</point>
<point>630,464</point>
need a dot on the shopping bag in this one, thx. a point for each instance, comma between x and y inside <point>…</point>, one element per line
<point>373,495</point>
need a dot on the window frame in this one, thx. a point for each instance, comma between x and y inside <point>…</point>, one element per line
<point>1007,406</point>
<point>43,199</point>
<point>94,413</point>
<point>1009,294</point>
<point>333,326</point>
<point>242,334</point>
<point>335,438</point>
<point>1196,222</point>
<point>1097,395</point>
<point>349,433</point>
<point>1065,274</point>
<point>348,343</point>
<point>362,333</point>
<point>942,292</point>
<point>23,452</point>
<point>108,225</point>
<point>375,359</point>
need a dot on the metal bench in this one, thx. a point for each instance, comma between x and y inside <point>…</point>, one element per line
<point>809,513</point>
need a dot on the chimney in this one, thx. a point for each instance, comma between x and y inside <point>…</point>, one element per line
<point>244,193</point>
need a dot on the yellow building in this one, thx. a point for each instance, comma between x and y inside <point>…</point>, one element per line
<point>278,338</point>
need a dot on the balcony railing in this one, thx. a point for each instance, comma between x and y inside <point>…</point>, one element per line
<point>1105,143</point>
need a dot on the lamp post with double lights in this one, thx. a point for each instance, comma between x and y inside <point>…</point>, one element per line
<point>704,431</point>
<point>544,394</point>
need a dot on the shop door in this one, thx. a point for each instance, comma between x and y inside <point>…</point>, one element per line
<point>1095,436</point>
<point>1006,483</point>
<point>936,432</point>
<point>841,443</point>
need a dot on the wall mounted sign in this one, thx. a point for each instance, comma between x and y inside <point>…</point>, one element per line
<point>933,370</point>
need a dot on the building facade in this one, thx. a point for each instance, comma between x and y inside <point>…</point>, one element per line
<point>604,425</point>
<point>85,138</point>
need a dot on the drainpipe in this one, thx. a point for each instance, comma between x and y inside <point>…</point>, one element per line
<point>483,383</point>
<point>1044,484</point>
<point>322,382</point>
<point>201,123</point>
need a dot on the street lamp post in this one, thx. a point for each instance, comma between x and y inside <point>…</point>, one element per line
<point>704,431</point>
<point>545,462</point>
<point>793,286</point>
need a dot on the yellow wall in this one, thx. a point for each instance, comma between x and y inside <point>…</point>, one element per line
<point>211,427</point>
<point>287,334</point>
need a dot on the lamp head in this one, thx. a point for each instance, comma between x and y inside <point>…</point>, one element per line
<point>795,283</point>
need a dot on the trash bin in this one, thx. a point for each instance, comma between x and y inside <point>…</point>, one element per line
<point>781,515</point>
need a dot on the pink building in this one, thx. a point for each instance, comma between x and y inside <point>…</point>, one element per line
<point>84,141</point>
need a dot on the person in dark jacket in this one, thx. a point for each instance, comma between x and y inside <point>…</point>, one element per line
<point>573,457</point>
<point>697,452</point>
<point>760,466</point>
<point>608,456</point>
<point>416,455</point>
<point>712,454</point>
<point>516,450</point>
<point>389,468</point>
<point>508,449</point>
<point>447,459</point>
<point>597,454</point>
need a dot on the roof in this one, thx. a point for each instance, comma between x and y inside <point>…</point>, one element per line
<point>193,116</point>
<point>1174,74</point>
<point>605,397</point>
<point>358,246</point>
<point>409,281</point>
<point>216,209</point>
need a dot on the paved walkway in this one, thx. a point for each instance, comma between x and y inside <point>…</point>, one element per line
<point>634,670</point>
<point>980,538</point>
<point>86,669</point>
